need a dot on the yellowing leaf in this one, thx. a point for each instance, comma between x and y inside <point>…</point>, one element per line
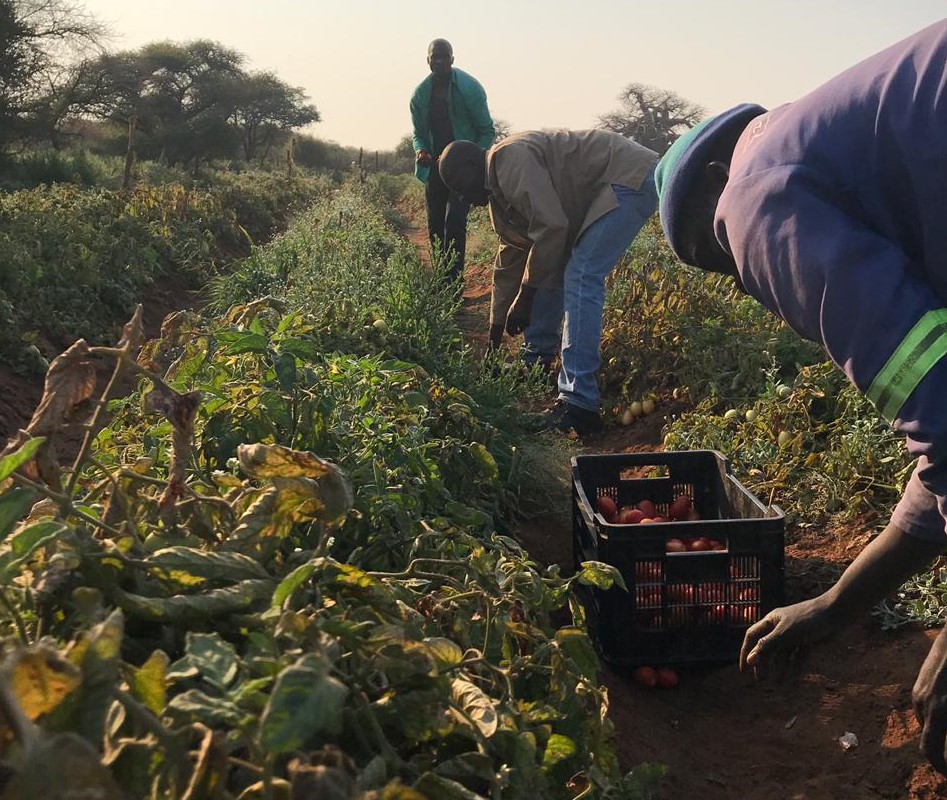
<point>149,682</point>
<point>558,748</point>
<point>305,701</point>
<point>40,679</point>
<point>446,652</point>
<point>273,460</point>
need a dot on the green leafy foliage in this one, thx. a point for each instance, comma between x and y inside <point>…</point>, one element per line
<point>667,325</point>
<point>76,261</point>
<point>284,567</point>
<point>816,446</point>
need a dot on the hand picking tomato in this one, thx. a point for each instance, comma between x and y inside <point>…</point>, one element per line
<point>606,507</point>
<point>667,678</point>
<point>646,676</point>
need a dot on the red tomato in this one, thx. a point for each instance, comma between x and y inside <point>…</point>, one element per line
<point>646,521</point>
<point>715,545</point>
<point>630,516</point>
<point>646,676</point>
<point>675,546</point>
<point>712,592</point>
<point>681,593</point>
<point>680,507</point>
<point>693,516</point>
<point>699,545</point>
<point>646,571</point>
<point>649,596</point>
<point>660,518</point>
<point>667,678</point>
<point>606,507</point>
<point>746,614</point>
<point>647,507</point>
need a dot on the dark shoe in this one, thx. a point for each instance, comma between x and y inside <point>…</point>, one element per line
<point>567,417</point>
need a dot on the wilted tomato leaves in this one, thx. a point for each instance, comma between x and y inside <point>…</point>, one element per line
<point>473,707</point>
<point>41,679</point>
<point>305,701</point>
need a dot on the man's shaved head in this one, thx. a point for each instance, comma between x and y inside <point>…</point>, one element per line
<point>440,57</point>
<point>440,46</point>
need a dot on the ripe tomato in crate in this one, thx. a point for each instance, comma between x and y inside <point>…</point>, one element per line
<point>689,601</point>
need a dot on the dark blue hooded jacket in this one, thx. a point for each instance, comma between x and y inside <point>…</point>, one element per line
<point>836,215</point>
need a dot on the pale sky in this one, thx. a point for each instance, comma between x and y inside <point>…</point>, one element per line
<point>543,63</point>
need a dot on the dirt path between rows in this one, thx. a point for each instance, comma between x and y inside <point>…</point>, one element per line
<point>722,734</point>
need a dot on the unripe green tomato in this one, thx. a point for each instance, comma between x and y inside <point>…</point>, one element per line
<point>751,415</point>
<point>635,408</point>
<point>380,325</point>
<point>731,414</point>
<point>627,417</point>
<point>647,406</point>
<point>783,391</point>
<point>784,438</point>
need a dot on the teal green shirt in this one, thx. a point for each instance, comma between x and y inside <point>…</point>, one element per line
<point>469,115</point>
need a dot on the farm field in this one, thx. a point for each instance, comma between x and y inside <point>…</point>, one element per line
<point>283,516</point>
<point>720,734</point>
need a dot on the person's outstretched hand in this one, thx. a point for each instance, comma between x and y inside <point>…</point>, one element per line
<point>930,704</point>
<point>781,637</point>
<point>521,311</point>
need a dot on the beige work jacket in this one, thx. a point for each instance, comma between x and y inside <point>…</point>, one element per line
<point>547,188</point>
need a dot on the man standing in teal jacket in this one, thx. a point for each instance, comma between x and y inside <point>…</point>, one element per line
<point>448,104</point>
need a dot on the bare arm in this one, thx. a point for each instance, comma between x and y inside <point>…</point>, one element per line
<point>879,569</point>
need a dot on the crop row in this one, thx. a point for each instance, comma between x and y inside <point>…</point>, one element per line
<point>277,571</point>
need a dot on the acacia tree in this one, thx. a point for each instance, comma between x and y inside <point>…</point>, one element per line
<point>190,102</point>
<point>651,116</point>
<point>265,108</point>
<point>40,40</point>
<point>14,59</point>
<point>168,97</point>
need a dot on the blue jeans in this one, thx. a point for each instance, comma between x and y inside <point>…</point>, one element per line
<point>576,308</point>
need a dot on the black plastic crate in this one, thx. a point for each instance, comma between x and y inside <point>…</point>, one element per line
<point>690,607</point>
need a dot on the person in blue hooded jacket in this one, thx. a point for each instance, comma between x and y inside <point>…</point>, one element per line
<point>448,104</point>
<point>832,212</point>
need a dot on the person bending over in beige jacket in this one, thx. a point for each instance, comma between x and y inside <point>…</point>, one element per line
<point>566,205</point>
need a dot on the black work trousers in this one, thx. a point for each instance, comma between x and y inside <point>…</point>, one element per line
<point>446,223</point>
